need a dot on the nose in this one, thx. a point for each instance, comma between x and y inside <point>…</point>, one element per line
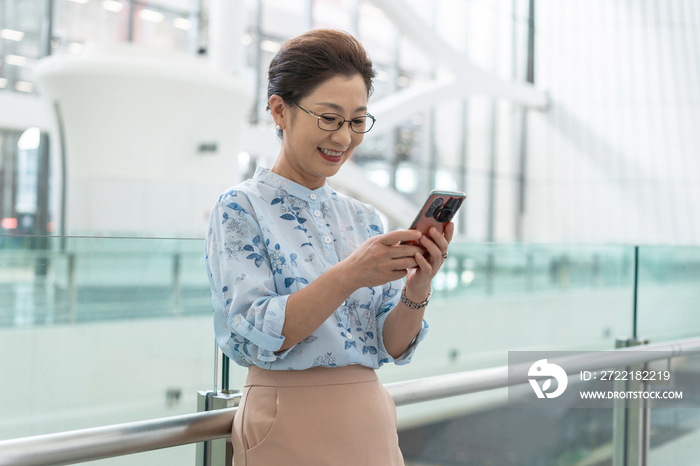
<point>343,136</point>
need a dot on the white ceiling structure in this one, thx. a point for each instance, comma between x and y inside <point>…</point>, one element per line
<point>467,79</point>
<point>460,78</point>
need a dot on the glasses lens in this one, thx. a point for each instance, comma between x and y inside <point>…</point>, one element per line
<point>362,126</point>
<point>359,124</point>
<point>330,121</point>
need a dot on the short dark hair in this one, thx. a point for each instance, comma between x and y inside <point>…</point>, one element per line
<point>306,61</point>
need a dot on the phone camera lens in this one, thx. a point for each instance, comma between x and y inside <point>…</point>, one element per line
<point>453,204</point>
<point>434,206</point>
<point>445,215</point>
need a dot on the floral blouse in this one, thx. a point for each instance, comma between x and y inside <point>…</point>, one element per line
<point>269,237</point>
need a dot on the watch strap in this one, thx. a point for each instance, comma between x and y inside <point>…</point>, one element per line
<point>413,305</point>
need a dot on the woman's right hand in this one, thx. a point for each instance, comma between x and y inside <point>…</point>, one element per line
<point>382,259</point>
<point>375,262</point>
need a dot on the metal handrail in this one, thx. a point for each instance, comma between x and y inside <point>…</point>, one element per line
<point>136,437</point>
<point>78,446</point>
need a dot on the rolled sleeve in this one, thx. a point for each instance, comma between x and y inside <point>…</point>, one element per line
<point>269,338</point>
<point>405,358</point>
<point>249,314</point>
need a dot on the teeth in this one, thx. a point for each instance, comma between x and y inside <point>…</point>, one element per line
<point>331,153</point>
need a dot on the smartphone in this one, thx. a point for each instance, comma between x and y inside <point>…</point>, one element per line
<point>437,211</point>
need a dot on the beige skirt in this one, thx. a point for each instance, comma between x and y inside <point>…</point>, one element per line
<point>318,416</point>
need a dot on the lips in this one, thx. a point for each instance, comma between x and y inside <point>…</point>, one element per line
<point>331,158</point>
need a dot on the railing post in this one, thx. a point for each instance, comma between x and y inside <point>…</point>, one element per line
<point>177,285</point>
<point>217,452</point>
<point>630,417</point>
<point>490,271</point>
<point>530,272</point>
<point>72,291</point>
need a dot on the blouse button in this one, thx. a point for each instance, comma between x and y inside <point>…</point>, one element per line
<point>327,239</point>
<point>317,213</point>
<point>237,320</point>
<point>349,336</point>
<point>312,196</point>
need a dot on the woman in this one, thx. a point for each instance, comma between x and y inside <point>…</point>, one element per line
<point>306,287</point>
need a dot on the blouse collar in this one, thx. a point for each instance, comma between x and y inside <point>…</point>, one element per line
<point>269,178</point>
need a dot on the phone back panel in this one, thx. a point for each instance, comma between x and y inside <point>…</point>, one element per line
<point>439,209</point>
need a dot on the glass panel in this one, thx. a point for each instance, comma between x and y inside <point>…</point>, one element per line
<point>99,331</point>
<point>9,139</point>
<point>97,279</point>
<point>333,14</point>
<point>507,436</point>
<point>377,34</point>
<point>668,292</point>
<point>121,328</point>
<point>20,45</point>
<point>493,298</point>
<point>283,19</point>
<point>162,27</point>
<point>675,432</point>
<point>76,23</point>
<point>413,61</point>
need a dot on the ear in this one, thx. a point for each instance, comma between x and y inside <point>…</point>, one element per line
<point>279,111</point>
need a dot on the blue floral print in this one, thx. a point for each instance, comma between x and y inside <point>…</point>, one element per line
<point>269,237</point>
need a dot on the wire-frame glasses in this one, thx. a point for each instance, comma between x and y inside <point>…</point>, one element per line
<point>333,121</point>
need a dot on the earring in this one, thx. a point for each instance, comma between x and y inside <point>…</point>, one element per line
<point>278,127</point>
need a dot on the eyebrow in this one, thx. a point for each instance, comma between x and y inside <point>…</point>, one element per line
<point>339,108</point>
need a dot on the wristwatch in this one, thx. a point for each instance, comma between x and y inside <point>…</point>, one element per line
<point>413,305</point>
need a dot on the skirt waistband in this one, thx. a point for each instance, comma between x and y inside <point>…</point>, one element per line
<point>314,376</point>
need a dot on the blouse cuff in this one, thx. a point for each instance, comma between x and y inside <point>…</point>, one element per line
<point>269,338</point>
<point>405,358</point>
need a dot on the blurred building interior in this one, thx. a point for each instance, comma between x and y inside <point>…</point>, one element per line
<point>571,125</point>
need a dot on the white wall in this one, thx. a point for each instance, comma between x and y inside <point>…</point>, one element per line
<point>616,159</point>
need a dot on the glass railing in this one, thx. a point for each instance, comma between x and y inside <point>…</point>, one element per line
<point>80,279</point>
<point>668,292</point>
<point>97,331</point>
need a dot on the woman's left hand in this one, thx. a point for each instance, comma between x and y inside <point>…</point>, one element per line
<point>419,278</point>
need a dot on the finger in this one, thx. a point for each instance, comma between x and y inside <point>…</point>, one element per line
<point>424,264</point>
<point>439,239</point>
<point>405,250</point>
<point>432,248</point>
<point>397,236</point>
<point>403,263</point>
<point>449,232</point>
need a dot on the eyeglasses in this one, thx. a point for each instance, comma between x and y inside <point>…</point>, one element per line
<point>333,121</point>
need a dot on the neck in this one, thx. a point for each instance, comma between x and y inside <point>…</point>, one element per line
<point>285,168</point>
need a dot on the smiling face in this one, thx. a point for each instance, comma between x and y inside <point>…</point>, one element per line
<point>309,155</point>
